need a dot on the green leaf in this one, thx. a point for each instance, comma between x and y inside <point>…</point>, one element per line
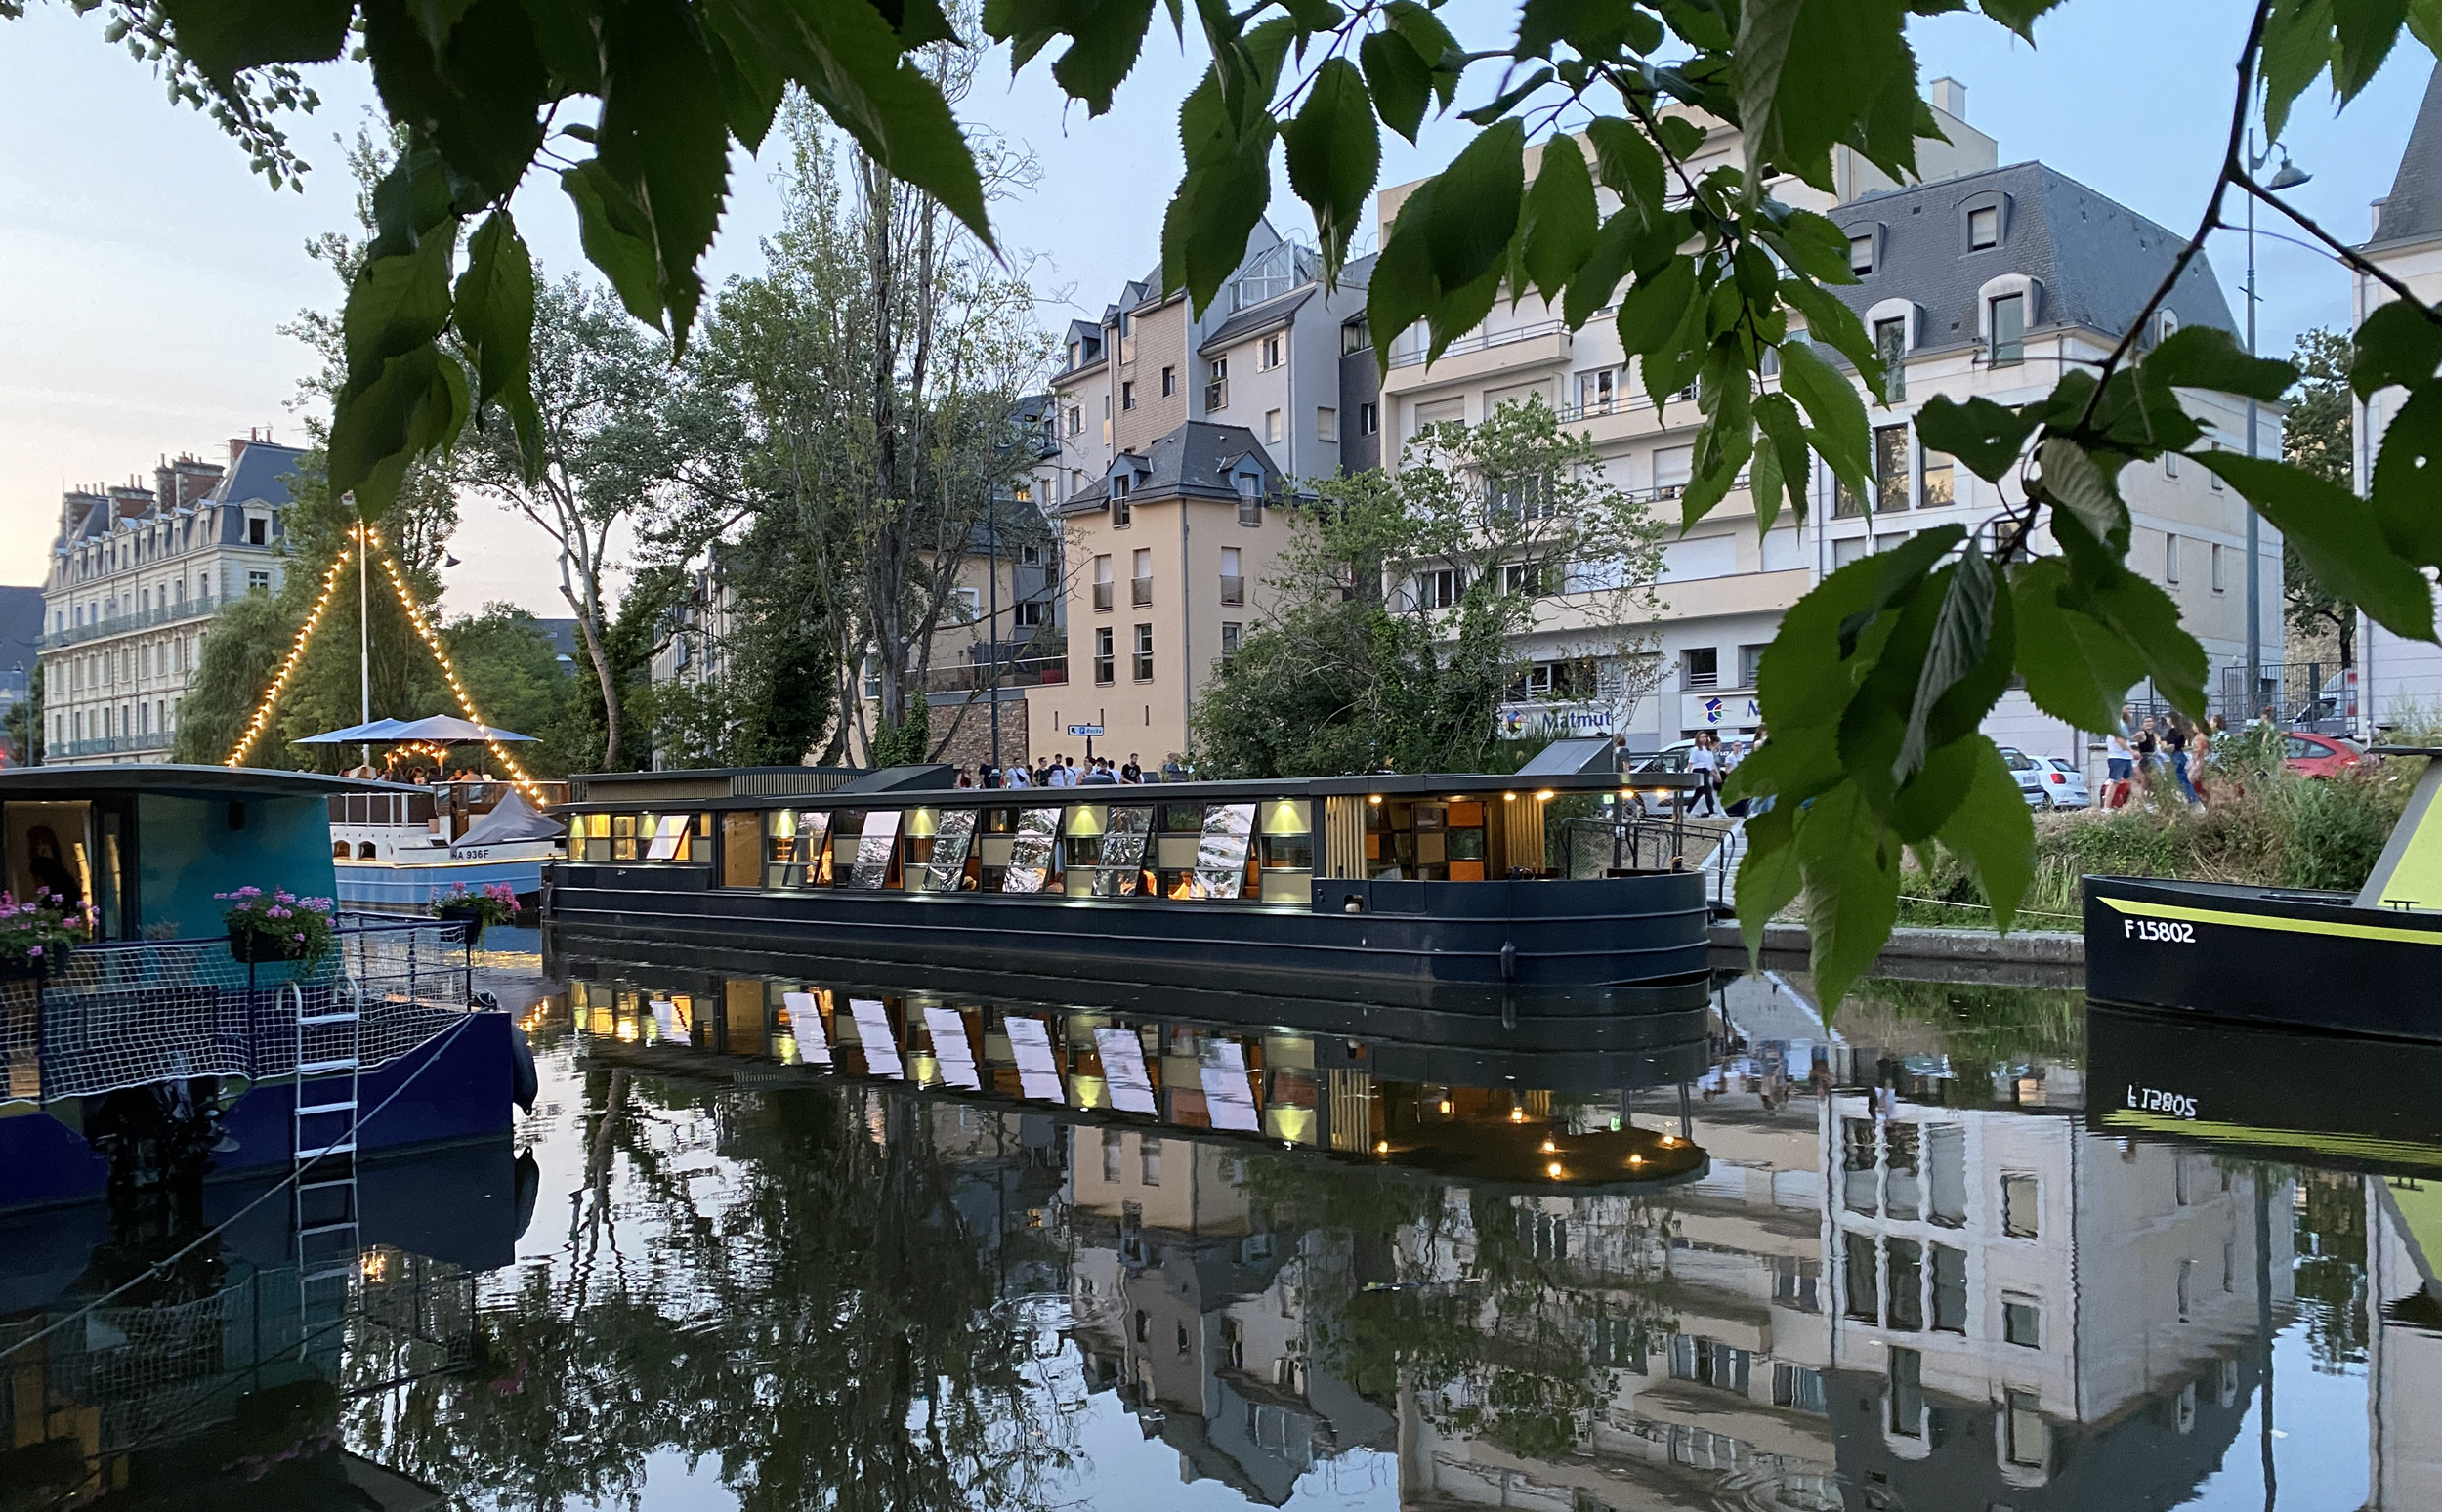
<point>415,402</point>
<point>1402,288</point>
<point>1813,244</point>
<point>1476,202</point>
<point>493,312</point>
<point>1432,42</point>
<point>1107,35</point>
<point>223,38</point>
<point>1986,435</point>
<point>2297,46</point>
<point>1832,323</point>
<point>1992,834</point>
<point>396,303</point>
<point>480,98</point>
<point>1219,200</point>
<point>2365,30</point>
<point>1833,403</point>
<point>664,137</point>
<point>2207,356</point>
<point>2398,344</point>
<point>1561,221</point>
<point>1785,436</point>
<point>2018,15</point>
<point>2352,546</point>
<point>1846,53</point>
<point>1962,640</point>
<point>2076,668</point>
<point>1597,279</point>
<point>2408,476</point>
<point>618,239</point>
<point>1769,877</point>
<point>1814,666</point>
<point>1928,799</point>
<point>1765,485</point>
<point>2425,24</point>
<point>1334,152</point>
<point>1629,164</point>
<point>1401,81</point>
<point>1850,859</point>
<point>2072,482</point>
<point>1655,308</point>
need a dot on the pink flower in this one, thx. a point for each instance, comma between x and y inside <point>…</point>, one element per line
<point>299,936</point>
<point>33,949</point>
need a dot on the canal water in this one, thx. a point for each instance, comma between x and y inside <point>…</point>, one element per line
<point>812,1243</point>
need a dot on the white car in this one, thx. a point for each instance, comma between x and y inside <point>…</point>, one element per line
<point>2030,774</point>
<point>2064,786</point>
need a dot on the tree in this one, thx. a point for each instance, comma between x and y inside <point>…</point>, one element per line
<point>1875,733</point>
<point>24,723</point>
<point>1389,642</point>
<point>243,650</point>
<point>512,669</point>
<point>2316,435</point>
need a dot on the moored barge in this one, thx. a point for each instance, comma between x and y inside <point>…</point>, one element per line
<point>1397,890</point>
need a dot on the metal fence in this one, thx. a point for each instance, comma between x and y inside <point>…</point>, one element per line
<point>136,1013</point>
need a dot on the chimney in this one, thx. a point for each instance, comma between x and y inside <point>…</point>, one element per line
<point>195,478</point>
<point>1950,97</point>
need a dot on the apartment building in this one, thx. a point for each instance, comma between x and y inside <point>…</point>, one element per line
<point>135,575</point>
<point>1162,417</point>
<point>2402,678</point>
<point>1983,279</point>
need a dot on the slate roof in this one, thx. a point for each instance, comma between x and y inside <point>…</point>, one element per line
<point>1270,314</point>
<point>2096,260</point>
<point>21,626</point>
<point>261,475</point>
<point>1193,462</point>
<point>2412,212</point>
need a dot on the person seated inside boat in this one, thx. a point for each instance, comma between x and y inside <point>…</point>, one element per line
<point>49,868</point>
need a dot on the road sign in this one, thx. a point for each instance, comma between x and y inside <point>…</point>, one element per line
<point>1085,730</point>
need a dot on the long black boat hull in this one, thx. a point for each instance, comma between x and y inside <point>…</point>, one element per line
<point>1479,946</point>
<point>2264,955</point>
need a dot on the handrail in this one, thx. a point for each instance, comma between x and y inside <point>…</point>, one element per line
<point>197,608</point>
<point>1480,342</point>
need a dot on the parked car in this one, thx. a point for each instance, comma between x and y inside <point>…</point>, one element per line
<point>2064,786</point>
<point>2318,755</point>
<point>2030,775</point>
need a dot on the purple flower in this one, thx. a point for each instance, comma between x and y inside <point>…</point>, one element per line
<point>299,936</point>
<point>33,949</point>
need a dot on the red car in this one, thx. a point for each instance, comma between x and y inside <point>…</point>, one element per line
<point>2317,756</point>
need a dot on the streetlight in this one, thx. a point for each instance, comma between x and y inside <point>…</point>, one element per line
<point>2290,176</point>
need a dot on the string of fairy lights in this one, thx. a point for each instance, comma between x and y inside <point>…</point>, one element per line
<point>365,542</point>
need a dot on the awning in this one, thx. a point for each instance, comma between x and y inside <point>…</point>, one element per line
<point>439,729</point>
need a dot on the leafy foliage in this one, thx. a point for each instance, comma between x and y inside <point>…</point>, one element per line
<point>2316,435</point>
<point>1356,661</point>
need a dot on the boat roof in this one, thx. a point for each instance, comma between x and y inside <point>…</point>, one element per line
<point>920,787</point>
<point>182,782</point>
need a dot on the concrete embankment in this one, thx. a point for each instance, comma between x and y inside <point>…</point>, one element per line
<point>2024,958</point>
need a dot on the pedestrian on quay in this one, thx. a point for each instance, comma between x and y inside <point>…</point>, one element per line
<point>1171,770</point>
<point>2148,748</point>
<point>1705,763</point>
<point>2119,764</point>
<point>988,775</point>
<point>1131,772</point>
<point>1056,774</point>
<point>2201,758</point>
<point>966,778</point>
<point>2176,741</point>
<point>1016,776</point>
<point>1099,774</point>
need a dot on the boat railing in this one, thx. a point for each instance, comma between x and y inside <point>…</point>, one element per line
<point>135,1013</point>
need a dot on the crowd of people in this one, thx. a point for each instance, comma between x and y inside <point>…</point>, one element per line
<point>2171,744</point>
<point>1061,771</point>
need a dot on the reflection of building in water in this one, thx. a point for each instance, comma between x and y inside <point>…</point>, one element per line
<point>2032,1314</point>
<point>1194,1313</point>
<point>2404,1345</point>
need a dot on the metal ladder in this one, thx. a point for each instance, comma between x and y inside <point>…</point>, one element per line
<point>330,1045</point>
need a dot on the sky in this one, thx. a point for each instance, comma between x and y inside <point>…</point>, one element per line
<point>144,273</point>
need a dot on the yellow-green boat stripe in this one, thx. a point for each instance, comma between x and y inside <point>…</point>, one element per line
<point>2271,921</point>
<point>2363,1147</point>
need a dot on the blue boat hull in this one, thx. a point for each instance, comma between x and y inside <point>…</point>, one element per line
<point>456,1086</point>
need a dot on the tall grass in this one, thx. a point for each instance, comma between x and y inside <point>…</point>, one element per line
<point>2264,826</point>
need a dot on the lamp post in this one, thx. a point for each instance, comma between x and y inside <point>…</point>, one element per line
<point>2290,176</point>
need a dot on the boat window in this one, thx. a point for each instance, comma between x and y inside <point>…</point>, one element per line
<point>1080,846</point>
<point>938,862</point>
<point>1122,873</point>
<point>1287,855</point>
<point>666,837</point>
<point>1029,862</point>
<point>876,842</point>
<point>793,846</point>
<point>1221,851</point>
<point>51,848</point>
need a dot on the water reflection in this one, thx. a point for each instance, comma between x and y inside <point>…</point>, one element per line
<point>811,1244</point>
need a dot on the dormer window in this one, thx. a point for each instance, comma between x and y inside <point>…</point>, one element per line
<point>1861,254</point>
<point>1984,227</point>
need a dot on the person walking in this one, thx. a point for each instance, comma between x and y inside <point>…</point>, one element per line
<point>2119,766</point>
<point>2200,759</point>
<point>1704,764</point>
<point>2176,741</point>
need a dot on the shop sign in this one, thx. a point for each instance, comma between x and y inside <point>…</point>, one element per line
<point>1719,711</point>
<point>1554,721</point>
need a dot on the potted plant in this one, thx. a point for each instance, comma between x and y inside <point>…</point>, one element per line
<point>495,903</point>
<point>37,934</point>
<point>276,926</point>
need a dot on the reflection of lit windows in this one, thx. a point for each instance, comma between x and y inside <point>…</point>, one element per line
<point>2022,1321</point>
<point>2025,1425</point>
<point>1797,1388</point>
<point>1862,1276</point>
<point>1907,1393</point>
<point>1903,1278</point>
<point>1950,1289</point>
<point>2019,1211</point>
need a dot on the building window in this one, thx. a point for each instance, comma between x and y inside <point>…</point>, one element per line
<point>1170,382</point>
<point>1595,391</point>
<point>2019,1213</point>
<point>1233,584</point>
<point>258,582</point>
<point>1271,355</point>
<point>1272,427</point>
<point>1354,338</point>
<point>1861,254</point>
<point>1326,425</point>
<point>1249,499</point>
<point>1076,419</point>
<point>1890,467</point>
<point>1907,1393</point>
<point>1984,227</point>
<point>1102,654</point>
<point>1890,344</point>
<point>1750,664</point>
<point>2009,330</point>
<point>2170,464</point>
<point>2025,1428</point>
<point>1102,586</point>
<point>1122,502</point>
<point>970,605</point>
<point>1523,579</point>
<point>1950,1289</point>
<point>258,532</point>
<point>1935,486</point>
<point>1437,589</point>
<point>1370,421</point>
<point>1026,615</point>
<point>2022,1321</point>
<point>1674,466</point>
<point>1141,582</point>
<point>1144,668</point>
<point>1903,1276</point>
<point>2218,583</point>
<point>1111,1151</point>
<point>2187,1288</point>
<point>1217,384</point>
<point>1699,666</point>
<point>1231,632</point>
<point>1127,394</point>
<point>1149,1161</point>
<point>2170,558</point>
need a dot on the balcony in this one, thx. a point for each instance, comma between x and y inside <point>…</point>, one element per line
<point>106,745</point>
<point>1102,598</point>
<point>195,607</point>
<point>1233,589</point>
<point>1141,591</point>
<point>1413,345</point>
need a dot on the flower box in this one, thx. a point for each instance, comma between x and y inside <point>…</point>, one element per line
<point>253,947</point>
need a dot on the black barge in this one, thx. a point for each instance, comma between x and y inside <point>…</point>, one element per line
<point>1428,891</point>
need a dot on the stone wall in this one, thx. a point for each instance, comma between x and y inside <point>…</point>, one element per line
<point>970,742</point>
